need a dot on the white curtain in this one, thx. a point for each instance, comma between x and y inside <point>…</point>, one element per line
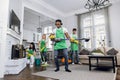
<point>95,26</point>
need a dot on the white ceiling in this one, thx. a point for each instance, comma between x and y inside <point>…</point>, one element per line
<point>30,14</point>
<point>68,6</point>
<point>31,19</point>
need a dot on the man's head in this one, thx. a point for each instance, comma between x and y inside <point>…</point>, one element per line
<point>74,30</point>
<point>58,23</point>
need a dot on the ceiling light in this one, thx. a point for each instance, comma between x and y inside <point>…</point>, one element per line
<point>39,29</point>
<point>92,5</point>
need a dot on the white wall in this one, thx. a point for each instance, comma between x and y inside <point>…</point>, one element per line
<point>12,37</point>
<point>28,35</point>
<point>10,41</point>
<point>7,38</point>
<point>16,6</point>
<point>70,22</point>
<point>3,29</point>
<point>114,14</point>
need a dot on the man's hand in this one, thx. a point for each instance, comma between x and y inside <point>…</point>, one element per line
<point>72,39</point>
<point>52,36</point>
<point>57,39</point>
<point>76,41</point>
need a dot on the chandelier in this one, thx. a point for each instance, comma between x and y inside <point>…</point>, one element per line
<point>39,29</point>
<point>96,4</point>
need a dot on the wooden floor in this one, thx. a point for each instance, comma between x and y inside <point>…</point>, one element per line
<point>26,75</point>
<point>118,74</point>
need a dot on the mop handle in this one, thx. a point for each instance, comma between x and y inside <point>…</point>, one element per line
<point>42,49</point>
<point>77,39</point>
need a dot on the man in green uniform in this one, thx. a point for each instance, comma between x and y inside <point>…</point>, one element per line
<point>60,33</point>
<point>74,47</point>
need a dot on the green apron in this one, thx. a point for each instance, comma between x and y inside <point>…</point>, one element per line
<point>42,45</point>
<point>74,46</point>
<point>62,44</point>
<point>30,52</point>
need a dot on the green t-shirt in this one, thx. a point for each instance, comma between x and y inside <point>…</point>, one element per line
<point>74,46</point>
<point>43,45</point>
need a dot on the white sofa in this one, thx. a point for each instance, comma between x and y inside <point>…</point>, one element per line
<point>84,58</point>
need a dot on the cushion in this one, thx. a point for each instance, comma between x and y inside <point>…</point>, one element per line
<point>98,54</point>
<point>84,52</point>
<point>112,52</point>
<point>97,51</point>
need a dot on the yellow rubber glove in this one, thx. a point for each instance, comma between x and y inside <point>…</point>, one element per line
<point>52,36</point>
<point>26,50</point>
<point>72,40</point>
<point>29,55</point>
<point>76,41</point>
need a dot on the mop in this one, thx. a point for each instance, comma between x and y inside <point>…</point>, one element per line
<point>52,37</point>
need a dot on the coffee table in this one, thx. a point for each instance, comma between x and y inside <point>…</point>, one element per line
<point>111,64</point>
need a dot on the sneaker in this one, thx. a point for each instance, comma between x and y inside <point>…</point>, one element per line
<point>31,65</point>
<point>80,63</point>
<point>73,63</point>
<point>46,63</point>
<point>56,70</point>
<point>67,70</point>
<point>43,62</point>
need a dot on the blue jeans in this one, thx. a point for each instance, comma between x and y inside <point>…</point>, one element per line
<point>74,56</point>
<point>65,55</point>
<point>44,56</point>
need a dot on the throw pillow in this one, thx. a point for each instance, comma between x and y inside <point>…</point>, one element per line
<point>97,51</point>
<point>84,52</point>
<point>98,54</point>
<point>112,52</point>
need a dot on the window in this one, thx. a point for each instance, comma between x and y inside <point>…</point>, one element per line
<point>48,31</point>
<point>93,26</point>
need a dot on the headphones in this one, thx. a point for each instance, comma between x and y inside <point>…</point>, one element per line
<point>58,20</point>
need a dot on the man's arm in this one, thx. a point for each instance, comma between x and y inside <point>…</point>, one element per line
<point>39,43</point>
<point>67,35</point>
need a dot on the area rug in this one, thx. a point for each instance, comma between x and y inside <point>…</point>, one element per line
<point>79,72</point>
